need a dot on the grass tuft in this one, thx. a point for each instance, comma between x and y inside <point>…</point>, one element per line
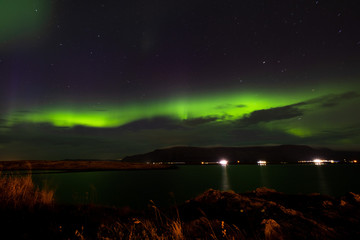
<point>20,192</point>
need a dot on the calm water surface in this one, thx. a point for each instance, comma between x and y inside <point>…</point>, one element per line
<point>165,187</point>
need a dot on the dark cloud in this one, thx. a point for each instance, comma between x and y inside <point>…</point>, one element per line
<point>3,124</point>
<point>240,105</point>
<point>199,121</point>
<point>332,137</point>
<point>293,110</point>
<point>260,136</point>
<point>152,123</point>
<point>336,134</point>
<point>226,106</point>
<point>330,100</point>
<point>338,99</point>
<point>33,127</point>
<point>272,114</point>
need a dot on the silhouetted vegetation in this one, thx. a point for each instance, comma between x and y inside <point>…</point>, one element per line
<point>20,192</point>
<point>30,213</point>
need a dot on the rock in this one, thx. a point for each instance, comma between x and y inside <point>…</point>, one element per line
<point>355,197</point>
<point>327,203</point>
<point>289,211</point>
<point>258,213</point>
<point>351,199</point>
<point>272,230</point>
<point>264,191</point>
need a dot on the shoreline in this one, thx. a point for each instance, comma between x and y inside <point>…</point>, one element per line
<point>78,165</point>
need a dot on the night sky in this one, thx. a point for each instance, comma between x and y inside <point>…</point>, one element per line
<point>106,79</point>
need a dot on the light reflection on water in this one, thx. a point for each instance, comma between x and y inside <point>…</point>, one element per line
<point>136,188</point>
<point>225,185</point>
<point>263,175</point>
<point>323,185</point>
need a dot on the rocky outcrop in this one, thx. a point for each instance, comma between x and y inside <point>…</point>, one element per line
<point>272,230</point>
<point>260,214</point>
<point>268,214</point>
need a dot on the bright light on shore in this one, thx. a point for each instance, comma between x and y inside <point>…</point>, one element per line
<point>261,163</point>
<point>223,162</point>
<point>318,161</point>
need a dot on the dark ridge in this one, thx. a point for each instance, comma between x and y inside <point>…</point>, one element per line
<point>271,154</point>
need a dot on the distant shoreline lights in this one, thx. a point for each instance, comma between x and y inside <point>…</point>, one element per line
<point>261,163</point>
<point>318,161</point>
<point>223,162</point>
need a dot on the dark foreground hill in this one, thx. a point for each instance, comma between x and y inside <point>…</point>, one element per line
<point>28,212</point>
<point>261,214</point>
<point>271,154</point>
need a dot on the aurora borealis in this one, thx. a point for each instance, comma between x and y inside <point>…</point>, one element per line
<point>107,79</point>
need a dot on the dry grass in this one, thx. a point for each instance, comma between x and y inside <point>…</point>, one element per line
<point>20,191</point>
<point>162,227</point>
<point>171,229</point>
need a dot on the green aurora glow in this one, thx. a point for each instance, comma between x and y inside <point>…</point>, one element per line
<point>106,79</point>
<point>224,107</point>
